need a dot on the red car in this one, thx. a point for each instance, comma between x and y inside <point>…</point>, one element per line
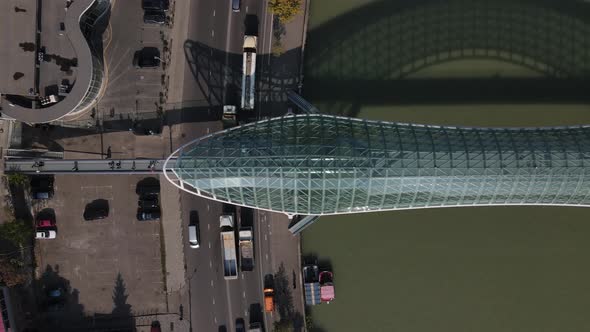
<point>45,223</point>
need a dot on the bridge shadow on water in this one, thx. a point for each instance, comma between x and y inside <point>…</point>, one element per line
<point>371,55</point>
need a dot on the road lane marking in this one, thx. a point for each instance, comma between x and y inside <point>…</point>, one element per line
<point>244,294</point>
<point>212,33</point>
<point>207,206</point>
<point>213,300</point>
<point>246,9</point>
<point>211,282</point>
<point>208,130</point>
<point>213,12</point>
<point>266,256</point>
<point>209,245</point>
<point>210,264</point>
<point>265,237</point>
<point>215,319</point>
<point>208,226</point>
<point>245,313</point>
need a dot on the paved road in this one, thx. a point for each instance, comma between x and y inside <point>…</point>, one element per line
<point>214,301</point>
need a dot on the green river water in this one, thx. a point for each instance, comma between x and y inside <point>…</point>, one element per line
<point>455,269</point>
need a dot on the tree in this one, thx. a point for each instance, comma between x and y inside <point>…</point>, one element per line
<point>18,232</point>
<point>11,274</point>
<point>17,179</point>
<point>285,10</point>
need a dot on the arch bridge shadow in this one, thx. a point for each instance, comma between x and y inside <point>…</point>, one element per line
<point>369,55</point>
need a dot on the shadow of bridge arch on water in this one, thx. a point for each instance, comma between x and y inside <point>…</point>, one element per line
<point>378,46</point>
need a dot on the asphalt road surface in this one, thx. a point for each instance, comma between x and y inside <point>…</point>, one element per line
<point>214,301</point>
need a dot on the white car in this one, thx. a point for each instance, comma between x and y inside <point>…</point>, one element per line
<point>45,234</point>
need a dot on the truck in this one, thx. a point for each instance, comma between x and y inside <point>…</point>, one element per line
<point>228,247</point>
<point>246,249</point>
<point>269,295</point>
<point>248,72</point>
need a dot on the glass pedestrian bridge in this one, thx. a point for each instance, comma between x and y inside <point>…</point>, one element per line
<point>316,164</point>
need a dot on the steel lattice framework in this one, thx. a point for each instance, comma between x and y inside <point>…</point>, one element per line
<point>319,164</point>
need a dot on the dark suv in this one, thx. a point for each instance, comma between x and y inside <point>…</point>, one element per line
<point>154,16</point>
<point>42,187</point>
<point>155,4</point>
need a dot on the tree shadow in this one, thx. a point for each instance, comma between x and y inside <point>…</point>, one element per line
<point>58,307</point>
<point>284,300</point>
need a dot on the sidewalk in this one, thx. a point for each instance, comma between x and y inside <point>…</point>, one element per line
<point>176,297</point>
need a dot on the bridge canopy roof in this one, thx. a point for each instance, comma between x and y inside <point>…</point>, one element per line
<point>318,164</point>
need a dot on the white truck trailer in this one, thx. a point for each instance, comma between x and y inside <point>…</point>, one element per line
<point>249,72</point>
<point>228,247</point>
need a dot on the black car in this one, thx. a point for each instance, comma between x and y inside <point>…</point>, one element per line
<point>42,187</point>
<point>155,4</point>
<point>148,201</point>
<point>151,214</point>
<point>97,209</point>
<point>154,17</point>
<point>148,186</point>
<point>240,326</point>
<point>147,57</point>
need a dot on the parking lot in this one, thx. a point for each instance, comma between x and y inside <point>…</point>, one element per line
<point>91,254</point>
<point>130,90</point>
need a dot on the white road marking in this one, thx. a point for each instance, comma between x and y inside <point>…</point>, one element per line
<point>215,320</point>
<point>265,237</point>
<point>209,245</point>
<point>208,130</point>
<point>244,294</point>
<point>207,206</point>
<point>211,282</point>
<point>212,33</point>
<point>210,264</point>
<point>208,226</point>
<point>242,276</point>
<point>246,313</point>
<point>266,256</point>
<point>213,300</point>
<point>213,12</point>
<point>246,9</point>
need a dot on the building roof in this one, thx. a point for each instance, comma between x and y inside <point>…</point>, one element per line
<point>319,164</point>
<point>83,74</point>
<point>17,46</point>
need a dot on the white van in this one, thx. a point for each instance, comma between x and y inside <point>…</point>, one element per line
<point>193,236</point>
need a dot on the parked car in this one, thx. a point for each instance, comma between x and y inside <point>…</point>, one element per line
<point>145,215</point>
<point>45,223</point>
<point>41,187</point>
<point>155,327</point>
<point>154,17</point>
<point>45,234</point>
<point>97,209</point>
<point>148,201</point>
<point>147,57</point>
<point>146,186</point>
<point>155,4</point>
